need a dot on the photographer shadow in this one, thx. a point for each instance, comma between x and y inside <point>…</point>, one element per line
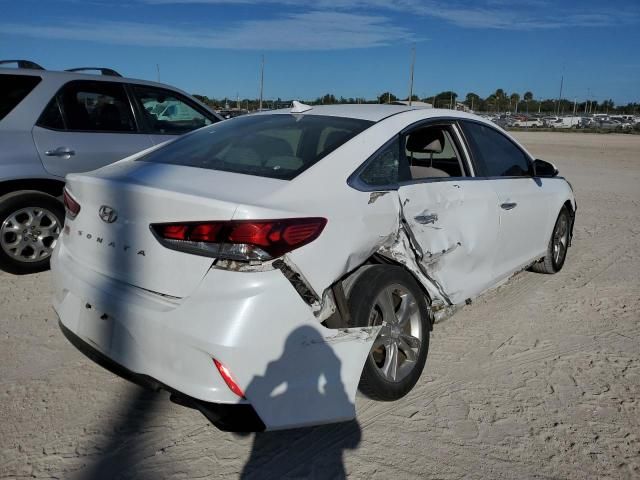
<point>308,452</point>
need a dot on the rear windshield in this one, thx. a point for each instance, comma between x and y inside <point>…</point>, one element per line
<point>276,146</point>
<point>13,88</point>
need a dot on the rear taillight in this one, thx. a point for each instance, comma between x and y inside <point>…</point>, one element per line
<point>244,240</point>
<point>72,207</point>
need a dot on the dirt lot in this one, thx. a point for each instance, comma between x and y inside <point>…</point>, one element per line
<point>537,379</point>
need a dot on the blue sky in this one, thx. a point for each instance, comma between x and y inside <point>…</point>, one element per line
<point>349,48</point>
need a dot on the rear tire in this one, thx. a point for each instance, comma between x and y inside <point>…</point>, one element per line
<point>558,245</point>
<point>389,296</point>
<point>30,222</point>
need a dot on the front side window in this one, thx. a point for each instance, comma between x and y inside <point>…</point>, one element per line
<point>276,146</point>
<point>13,89</point>
<point>494,154</point>
<point>431,153</point>
<point>168,113</point>
<point>90,106</point>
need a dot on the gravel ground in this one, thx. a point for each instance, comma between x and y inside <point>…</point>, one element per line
<point>539,378</point>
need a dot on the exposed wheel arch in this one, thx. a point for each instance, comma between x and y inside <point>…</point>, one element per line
<point>348,281</point>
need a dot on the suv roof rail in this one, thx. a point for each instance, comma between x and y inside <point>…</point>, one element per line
<point>23,64</point>
<point>104,71</point>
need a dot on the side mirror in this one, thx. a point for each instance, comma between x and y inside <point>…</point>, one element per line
<point>544,169</point>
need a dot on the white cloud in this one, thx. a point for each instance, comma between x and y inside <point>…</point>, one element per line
<point>491,14</point>
<point>313,30</point>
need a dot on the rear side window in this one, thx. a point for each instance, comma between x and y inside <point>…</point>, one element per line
<point>385,169</point>
<point>13,89</point>
<point>494,154</point>
<point>52,116</point>
<point>169,113</point>
<point>88,106</point>
<point>276,146</point>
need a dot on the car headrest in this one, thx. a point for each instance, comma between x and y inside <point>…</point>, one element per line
<point>427,140</point>
<point>335,138</point>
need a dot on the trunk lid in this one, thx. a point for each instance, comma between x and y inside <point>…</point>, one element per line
<point>112,235</point>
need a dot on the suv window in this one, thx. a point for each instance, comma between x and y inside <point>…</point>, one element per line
<point>276,146</point>
<point>431,153</point>
<point>89,106</point>
<point>169,113</point>
<point>494,154</point>
<point>14,88</point>
<point>52,116</point>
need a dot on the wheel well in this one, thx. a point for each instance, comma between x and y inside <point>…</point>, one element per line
<point>45,185</point>
<point>569,206</point>
<point>572,214</point>
<point>346,283</point>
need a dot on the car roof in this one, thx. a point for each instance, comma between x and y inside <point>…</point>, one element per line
<point>79,76</point>
<point>373,112</point>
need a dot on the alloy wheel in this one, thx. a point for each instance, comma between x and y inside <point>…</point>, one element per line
<point>560,240</point>
<point>30,234</point>
<point>395,350</point>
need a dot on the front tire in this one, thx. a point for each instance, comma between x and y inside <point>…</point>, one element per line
<point>558,244</point>
<point>389,296</point>
<point>30,223</point>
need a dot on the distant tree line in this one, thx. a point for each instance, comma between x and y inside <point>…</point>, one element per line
<point>498,102</point>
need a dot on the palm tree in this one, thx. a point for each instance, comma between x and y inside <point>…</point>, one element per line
<point>499,95</point>
<point>472,100</point>
<point>515,99</point>
<point>528,96</point>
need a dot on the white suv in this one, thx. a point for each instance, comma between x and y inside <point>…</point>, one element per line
<point>54,123</point>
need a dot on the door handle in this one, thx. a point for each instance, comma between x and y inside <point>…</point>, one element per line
<point>60,152</point>
<point>426,219</point>
<point>508,205</point>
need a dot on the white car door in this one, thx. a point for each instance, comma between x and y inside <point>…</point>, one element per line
<point>523,199</point>
<point>87,125</point>
<point>452,216</point>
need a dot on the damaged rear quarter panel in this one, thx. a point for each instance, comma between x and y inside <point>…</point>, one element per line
<point>356,228</point>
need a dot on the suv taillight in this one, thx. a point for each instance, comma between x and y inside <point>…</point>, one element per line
<point>244,240</point>
<point>72,207</point>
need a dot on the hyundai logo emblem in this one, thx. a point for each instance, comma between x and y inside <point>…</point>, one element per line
<point>107,214</point>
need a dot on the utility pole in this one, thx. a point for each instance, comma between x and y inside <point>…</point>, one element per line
<point>413,61</point>
<point>261,83</point>
<point>158,71</point>
<point>560,98</point>
<point>586,102</point>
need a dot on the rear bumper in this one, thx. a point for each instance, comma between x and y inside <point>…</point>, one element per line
<point>293,371</point>
<point>227,417</point>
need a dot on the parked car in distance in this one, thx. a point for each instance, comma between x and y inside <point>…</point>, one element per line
<point>54,123</point>
<point>527,122</point>
<point>262,268</point>
<point>608,125</point>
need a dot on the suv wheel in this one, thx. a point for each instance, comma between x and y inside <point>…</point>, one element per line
<point>389,296</point>
<point>30,223</point>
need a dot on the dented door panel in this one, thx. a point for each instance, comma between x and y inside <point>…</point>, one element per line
<point>456,226</point>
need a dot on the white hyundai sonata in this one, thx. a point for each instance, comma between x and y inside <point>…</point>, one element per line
<point>263,268</point>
